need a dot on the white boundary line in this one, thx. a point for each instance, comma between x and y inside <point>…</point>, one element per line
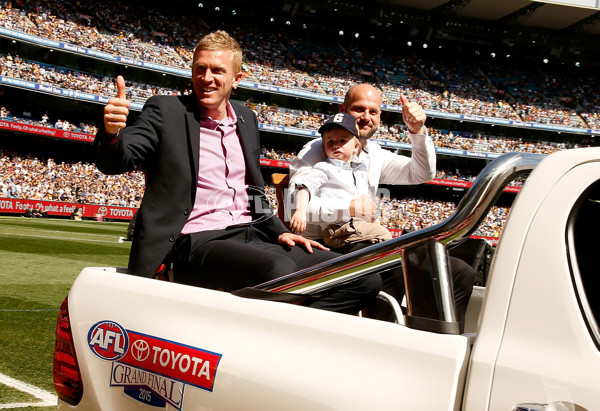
<point>24,405</point>
<point>47,398</point>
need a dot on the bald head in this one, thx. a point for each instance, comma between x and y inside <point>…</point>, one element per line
<point>363,101</point>
<point>362,91</point>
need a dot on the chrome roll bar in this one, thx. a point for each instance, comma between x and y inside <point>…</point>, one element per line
<point>422,254</point>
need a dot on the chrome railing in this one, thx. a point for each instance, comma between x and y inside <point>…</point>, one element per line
<point>422,254</point>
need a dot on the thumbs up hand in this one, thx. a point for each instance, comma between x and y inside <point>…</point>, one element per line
<point>117,110</point>
<point>413,115</point>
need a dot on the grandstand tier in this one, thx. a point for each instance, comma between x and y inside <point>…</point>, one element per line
<point>59,61</point>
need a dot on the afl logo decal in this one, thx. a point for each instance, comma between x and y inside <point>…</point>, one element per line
<point>108,340</point>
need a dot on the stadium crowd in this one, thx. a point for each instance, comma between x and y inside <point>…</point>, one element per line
<point>396,132</point>
<point>59,21</point>
<point>44,120</point>
<point>28,177</point>
<point>276,116</point>
<point>538,94</point>
<point>277,58</point>
<point>16,67</point>
<point>411,214</point>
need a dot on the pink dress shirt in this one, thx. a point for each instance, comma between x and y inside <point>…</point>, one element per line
<point>221,196</point>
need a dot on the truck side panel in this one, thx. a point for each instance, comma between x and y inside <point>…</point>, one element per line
<point>533,345</point>
<point>224,352</point>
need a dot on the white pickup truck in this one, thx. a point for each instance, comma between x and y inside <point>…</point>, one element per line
<point>532,340</point>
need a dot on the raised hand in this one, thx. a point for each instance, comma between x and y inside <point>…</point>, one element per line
<point>413,115</point>
<point>117,109</point>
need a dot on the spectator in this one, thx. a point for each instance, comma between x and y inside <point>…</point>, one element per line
<point>363,101</point>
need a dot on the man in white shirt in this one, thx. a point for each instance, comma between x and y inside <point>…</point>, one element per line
<point>363,101</point>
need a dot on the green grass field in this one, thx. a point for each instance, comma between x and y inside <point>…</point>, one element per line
<point>39,260</point>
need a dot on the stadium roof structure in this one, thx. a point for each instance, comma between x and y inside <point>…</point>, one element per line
<point>563,29</point>
<point>570,15</point>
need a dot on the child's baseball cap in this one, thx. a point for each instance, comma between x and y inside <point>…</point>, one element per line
<point>343,120</point>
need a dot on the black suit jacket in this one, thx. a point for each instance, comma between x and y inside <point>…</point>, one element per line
<point>164,143</point>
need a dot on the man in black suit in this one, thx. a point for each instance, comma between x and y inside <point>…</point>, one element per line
<point>204,204</point>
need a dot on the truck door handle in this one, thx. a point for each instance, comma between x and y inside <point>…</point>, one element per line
<point>554,406</point>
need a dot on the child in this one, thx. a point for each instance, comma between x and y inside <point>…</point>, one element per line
<point>338,180</point>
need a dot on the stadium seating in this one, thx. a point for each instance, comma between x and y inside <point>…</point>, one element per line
<point>464,97</point>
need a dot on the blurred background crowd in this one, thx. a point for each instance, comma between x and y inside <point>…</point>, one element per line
<point>509,89</point>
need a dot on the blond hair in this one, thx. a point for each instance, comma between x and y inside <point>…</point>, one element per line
<point>221,40</point>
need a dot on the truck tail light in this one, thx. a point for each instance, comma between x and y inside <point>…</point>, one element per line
<point>67,377</point>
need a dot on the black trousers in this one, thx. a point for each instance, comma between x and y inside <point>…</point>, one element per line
<point>463,277</point>
<point>231,259</point>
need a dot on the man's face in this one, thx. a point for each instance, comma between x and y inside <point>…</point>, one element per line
<point>214,76</point>
<point>339,143</point>
<point>365,107</point>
